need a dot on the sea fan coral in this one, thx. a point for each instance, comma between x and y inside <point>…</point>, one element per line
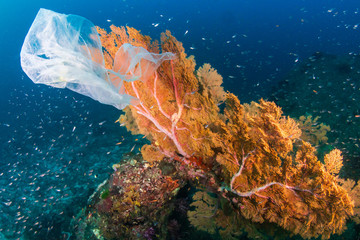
<point>251,154</point>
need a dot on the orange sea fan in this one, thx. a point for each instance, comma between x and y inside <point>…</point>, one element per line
<point>251,146</point>
<point>333,162</point>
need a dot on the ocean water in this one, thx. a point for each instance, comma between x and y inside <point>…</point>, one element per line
<point>57,146</point>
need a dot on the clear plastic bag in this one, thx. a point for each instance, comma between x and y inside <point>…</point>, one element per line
<point>65,51</point>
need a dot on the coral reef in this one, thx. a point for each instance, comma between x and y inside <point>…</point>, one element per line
<point>251,155</point>
<point>134,204</point>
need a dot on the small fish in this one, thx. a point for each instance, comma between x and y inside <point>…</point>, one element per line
<point>186,32</point>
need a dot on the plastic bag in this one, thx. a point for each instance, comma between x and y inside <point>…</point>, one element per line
<point>65,51</point>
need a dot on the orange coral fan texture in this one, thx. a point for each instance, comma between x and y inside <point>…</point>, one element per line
<point>269,172</point>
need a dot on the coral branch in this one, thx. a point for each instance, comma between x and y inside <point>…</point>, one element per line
<point>240,169</point>
<point>144,111</point>
<point>157,99</point>
<point>175,86</point>
<point>257,189</point>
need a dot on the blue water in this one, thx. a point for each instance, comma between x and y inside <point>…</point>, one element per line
<point>56,145</point>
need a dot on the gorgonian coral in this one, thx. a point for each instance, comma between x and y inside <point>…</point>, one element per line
<point>251,154</point>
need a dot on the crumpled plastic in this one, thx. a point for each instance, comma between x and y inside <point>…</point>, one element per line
<point>64,51</point>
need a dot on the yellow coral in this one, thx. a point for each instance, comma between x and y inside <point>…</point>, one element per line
<point>313,131</point>
<point>211,82</point>
<point>201,216</point>
<point>333,162</point>
<point>353,188</point>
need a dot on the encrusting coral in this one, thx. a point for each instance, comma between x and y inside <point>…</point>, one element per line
<point>249,154</point>
<point>134,203</point>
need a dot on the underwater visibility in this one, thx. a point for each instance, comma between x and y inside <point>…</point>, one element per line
<point>183,158</point>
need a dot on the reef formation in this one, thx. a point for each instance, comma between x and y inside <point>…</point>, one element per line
<point>254,171</point>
